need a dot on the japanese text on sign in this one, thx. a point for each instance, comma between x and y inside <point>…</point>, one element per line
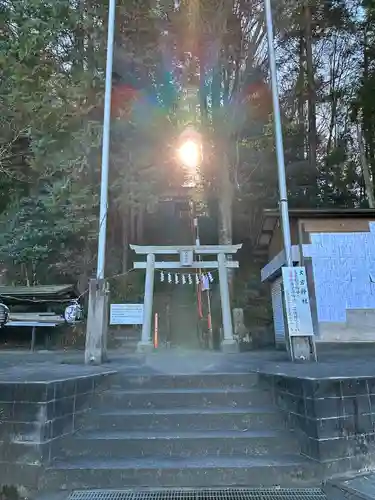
<point>186,258</point>
<point>126,314</point>
<point>297,304</point>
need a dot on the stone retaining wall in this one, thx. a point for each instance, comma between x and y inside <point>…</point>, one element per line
<point>34,417</point>
<point>333,418</point>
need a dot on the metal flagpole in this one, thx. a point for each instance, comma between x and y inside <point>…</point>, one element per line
<point>97,316</point>
<point>299,346</point>
<point>106,142</point>
<point>278,138</point>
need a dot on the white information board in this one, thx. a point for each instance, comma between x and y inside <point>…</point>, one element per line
<point>297,303</point>
<point>126,314</point>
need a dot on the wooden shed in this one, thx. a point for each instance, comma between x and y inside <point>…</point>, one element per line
<point>35,308</point>
<point>337,247</point>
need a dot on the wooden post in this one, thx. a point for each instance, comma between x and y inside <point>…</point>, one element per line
<point>97,319</point>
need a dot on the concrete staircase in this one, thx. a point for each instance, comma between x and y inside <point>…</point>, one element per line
<point>125,339</point>
<point>203,430</point>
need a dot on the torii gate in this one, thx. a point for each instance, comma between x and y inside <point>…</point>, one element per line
<point>187,260</point>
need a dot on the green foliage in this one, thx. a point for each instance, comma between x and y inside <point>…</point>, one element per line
<point>49,136</point>
<point>41,232</point>
<point>52,60</point>
<point>51,64</point>
<point>9,493</point>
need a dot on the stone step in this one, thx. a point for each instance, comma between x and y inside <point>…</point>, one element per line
<point>178,444</point>
<point>208,471</point>
<point>205,380</point>
<point>126,340</point>
<point>126,346</point>
<point>126,332</point>
<point>185,419</point>
<point>182,398</point>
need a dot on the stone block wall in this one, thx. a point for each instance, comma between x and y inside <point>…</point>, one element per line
<point>35,417</point>
<point>333,419</point>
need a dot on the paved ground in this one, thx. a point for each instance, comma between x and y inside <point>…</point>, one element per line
<point>362,486</point>
<point>18,366</point>
<point>333,362</point>
<point>54,496</point>
<point>56,365</point>
<point>42,366</point>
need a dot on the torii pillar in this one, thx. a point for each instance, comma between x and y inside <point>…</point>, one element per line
<point>146,344</point>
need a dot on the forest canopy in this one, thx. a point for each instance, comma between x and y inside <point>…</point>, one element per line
<point>201,62</point>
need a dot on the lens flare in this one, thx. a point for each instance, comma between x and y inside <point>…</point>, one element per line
<point>189,154</point>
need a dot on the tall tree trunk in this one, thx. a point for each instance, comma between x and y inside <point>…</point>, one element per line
<point>365,170</point>
<point>132,218</point>
<point>311,91</point>
<point>226,210</point>
<point>140,224</point>
<point>125,243</point>
<point>301,99</point>
<point>332,90</point>
<point>216,97</point>
<point>225,183</point>
<point>203,96</point>
<point>225,202</point>
<point>86,270</point>
<point>25,270</point>
<point>367,113</point>
<point>80,36</point>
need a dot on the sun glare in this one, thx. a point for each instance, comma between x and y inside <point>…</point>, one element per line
<point>189,154</point>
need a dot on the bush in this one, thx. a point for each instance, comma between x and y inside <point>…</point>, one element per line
<point>9,493</point>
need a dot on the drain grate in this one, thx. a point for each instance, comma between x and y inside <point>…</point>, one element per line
<point>209,494</point>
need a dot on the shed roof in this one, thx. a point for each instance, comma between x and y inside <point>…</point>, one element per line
<point>271,217</point>
<point>40,291</point>
<point>297,213</point>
